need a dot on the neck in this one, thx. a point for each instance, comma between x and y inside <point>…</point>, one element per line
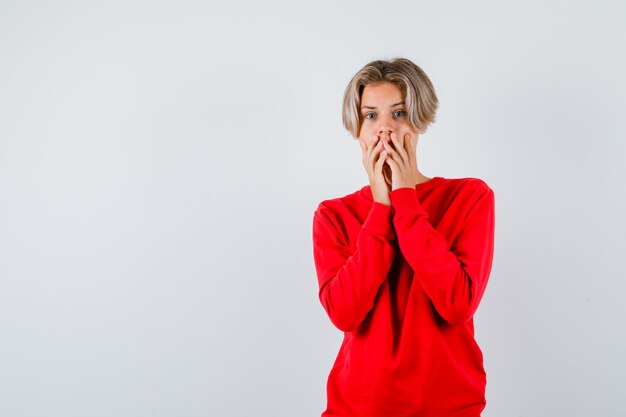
<point>420,178</point>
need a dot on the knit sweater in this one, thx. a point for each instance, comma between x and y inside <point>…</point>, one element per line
<point>402,283</point>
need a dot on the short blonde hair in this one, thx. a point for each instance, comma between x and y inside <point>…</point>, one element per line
<point>418,91</point>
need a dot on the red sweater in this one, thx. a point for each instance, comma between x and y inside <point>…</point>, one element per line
<point>403,283</point>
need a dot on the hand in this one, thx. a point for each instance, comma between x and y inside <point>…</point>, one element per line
<point>373,160</point>
<point>402,161</point>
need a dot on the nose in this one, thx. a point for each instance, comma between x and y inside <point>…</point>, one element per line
<point>386,125</point>
<point>385,131</point>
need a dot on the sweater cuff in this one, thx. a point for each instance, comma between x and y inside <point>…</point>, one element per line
<point>404,200</point>
<point>379,221</point>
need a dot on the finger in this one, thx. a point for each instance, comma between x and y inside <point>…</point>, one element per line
<point>388,176</point>
<point>393,154</point>
<point>392,164</point>
<point>400,147</point>
<point>407,144</point>
<point>367,150</point>
<point>378,167</point>
<point>372,145</point>
<point>369,146</point>
<point>375,152</point>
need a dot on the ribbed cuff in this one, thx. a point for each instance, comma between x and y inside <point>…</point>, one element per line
<point>379,221</point>
<point>404,200</point>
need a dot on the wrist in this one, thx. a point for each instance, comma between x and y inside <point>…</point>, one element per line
<point>406,185</point>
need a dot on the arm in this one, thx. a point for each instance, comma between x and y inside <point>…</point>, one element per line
<point>453,276</point>
<point>349,282</point>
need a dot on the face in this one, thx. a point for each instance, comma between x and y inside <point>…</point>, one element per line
<point>383,111</point>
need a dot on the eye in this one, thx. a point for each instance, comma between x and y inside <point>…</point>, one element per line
<point>398,113</point>
<point>367,116</point>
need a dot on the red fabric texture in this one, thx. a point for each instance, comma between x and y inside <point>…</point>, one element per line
<point>403,283</point>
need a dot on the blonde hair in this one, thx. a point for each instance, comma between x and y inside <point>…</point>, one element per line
<point>419,93</point>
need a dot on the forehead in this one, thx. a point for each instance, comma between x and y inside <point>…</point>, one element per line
<point>381,93</point>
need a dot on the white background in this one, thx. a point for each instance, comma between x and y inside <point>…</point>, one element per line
<point>160,163</point>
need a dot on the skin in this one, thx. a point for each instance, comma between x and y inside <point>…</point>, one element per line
<point>388,141</point>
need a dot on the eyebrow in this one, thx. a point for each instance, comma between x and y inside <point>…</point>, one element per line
<point>371,107</point>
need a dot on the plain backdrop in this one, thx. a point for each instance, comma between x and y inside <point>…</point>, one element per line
<point>160,163</point>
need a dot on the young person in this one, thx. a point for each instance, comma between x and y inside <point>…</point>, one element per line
<point>403,262</point>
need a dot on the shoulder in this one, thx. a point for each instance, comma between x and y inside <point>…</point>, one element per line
<point>468,192</point>
<point>470,186</point>
<point>469,183</point>
<point>347,200</point>
<point>332,208</point>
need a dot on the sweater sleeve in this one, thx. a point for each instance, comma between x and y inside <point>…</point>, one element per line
<point>349,282</point>
<point>453,275</point>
